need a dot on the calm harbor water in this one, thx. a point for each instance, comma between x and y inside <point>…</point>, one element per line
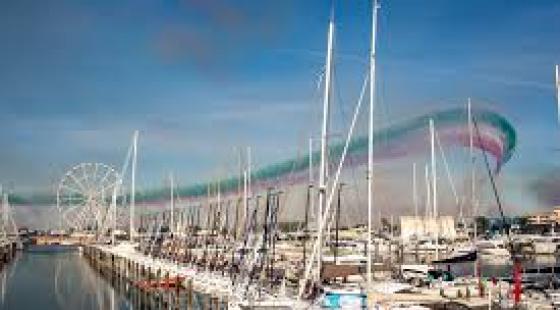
<point>53,280</point>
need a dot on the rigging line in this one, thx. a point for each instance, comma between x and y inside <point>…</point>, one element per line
<point>277,181</point>
<point>315,95</point>
<point>492,181</point>
<point>354,178</point>
<point>330,196</point>
<point>349,138</point>
<point>344,119</point>
<point>447,170</point>
<point>283,199</point>
<point>355,188</point>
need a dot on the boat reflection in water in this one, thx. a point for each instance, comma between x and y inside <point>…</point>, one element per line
<point>55,277</point>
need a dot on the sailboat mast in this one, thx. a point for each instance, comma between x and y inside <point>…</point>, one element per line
<point>245,200</point>
<point>133,186</point>
<point>310,160</point>
<point>324,141</point>
<point>220,211</point>
<point>249,190</point>
<point>428,204</point>
<point>248,193</point>
<point>558,91</point>
<point>337,223</point>
<point>114,209</point>
<point>240,192</point>
<point>434,183</point>
<point>473,179</point>
<point>311,176</point>
<point>471,155</point>
<point>375,7</point>
<point>309,205</point>
<point>306,225</point>
<point>5,212</point>
<point>171,203</point>
<point>414,190</point>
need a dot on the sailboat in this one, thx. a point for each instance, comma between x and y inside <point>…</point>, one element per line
<point>355,296</point>
<point>338,295</point>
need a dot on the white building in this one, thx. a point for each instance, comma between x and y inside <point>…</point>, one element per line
<point>422,226</point>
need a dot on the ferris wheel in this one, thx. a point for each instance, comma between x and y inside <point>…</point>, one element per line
<point>86,194</point>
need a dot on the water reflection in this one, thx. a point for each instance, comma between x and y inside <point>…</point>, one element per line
<point>56,280</point>
<point>64,280</point>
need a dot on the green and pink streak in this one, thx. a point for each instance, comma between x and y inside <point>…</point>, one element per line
<point>497,138</point>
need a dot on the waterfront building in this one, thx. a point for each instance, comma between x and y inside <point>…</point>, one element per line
<point>413,227</point>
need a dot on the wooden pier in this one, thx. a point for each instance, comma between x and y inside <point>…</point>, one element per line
<point>7,251</point>
<point>148,286</point>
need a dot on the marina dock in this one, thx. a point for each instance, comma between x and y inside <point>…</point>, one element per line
<point>160,283</point>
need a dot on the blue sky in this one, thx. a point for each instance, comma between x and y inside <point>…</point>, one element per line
<point>200,78</point>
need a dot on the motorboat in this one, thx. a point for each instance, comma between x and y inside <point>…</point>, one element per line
<point>459,255</point>
<point>416,274</point>
<point>425,246</point>
<point>494,248</point>
<point>547,245</point>
<point>422,274</point>
<point>343,297</point>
